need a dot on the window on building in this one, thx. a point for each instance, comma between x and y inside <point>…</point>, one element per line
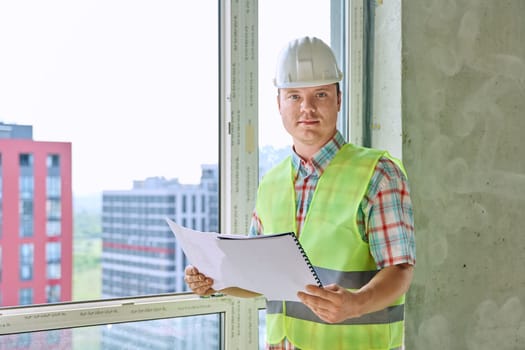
<point>26,202</point>
<point>25,296</point>
<point>53,161</point>
<point>53,189</point>
<point>53,227</point>
<point>26,217</point>
<point>53,194</point>
<point>26,160</point>
<point>53,209</point>
<point>54,215</point>
<point>53,293</point>
<point>27,258</point>
<point>27,186</point>
<point>53,260</point>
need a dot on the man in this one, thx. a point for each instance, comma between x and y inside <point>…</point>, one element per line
<point>350,208</point>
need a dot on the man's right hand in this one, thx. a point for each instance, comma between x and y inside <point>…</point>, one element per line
<point>198,283</point>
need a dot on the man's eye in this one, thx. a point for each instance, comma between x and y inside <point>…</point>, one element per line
<point>322,94</point>
<point>293,97</point>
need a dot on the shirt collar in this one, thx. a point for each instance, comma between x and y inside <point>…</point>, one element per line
<point>321,159</point>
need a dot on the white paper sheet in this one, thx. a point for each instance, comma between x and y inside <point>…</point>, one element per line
<point>272,265</point>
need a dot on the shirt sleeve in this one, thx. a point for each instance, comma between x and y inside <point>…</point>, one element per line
<point>387,216</point>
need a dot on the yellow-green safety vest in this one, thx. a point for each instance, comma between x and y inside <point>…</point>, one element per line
<point>331,240</point>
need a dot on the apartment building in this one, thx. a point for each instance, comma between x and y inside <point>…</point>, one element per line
<point>140,255</point>
<point>36,226</point>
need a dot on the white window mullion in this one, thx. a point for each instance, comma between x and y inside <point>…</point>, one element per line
<point>238,113</point>
<point>239,166</point>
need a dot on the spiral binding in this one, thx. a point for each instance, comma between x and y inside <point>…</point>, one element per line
<point>307,260</point>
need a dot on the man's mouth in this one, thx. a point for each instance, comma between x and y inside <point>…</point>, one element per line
<point>308,122</point>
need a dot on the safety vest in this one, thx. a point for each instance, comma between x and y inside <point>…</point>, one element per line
<point>331,239</point>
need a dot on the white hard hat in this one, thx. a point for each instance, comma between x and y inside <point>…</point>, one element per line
<point>306,62</point>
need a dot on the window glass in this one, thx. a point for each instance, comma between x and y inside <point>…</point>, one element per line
<point>184,333</point>
<point>108,112</point>
<point>297,18</point>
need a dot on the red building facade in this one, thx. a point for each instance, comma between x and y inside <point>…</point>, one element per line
<point>36,221</point>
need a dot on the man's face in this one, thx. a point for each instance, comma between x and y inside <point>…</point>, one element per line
<point>310,114</point>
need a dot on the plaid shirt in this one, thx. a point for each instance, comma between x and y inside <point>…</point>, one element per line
<point>384,218</point>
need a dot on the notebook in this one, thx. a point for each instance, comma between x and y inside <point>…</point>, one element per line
<point>273,265</point>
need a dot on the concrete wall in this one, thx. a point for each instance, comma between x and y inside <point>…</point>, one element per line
<point>385,128</point>
<point>463,108</point>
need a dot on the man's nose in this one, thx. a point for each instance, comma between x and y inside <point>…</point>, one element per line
<point>308,104</point>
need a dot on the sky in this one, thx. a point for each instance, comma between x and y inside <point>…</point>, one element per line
<point>133,84</point>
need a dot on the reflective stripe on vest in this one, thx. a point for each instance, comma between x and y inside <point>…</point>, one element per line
<point>346,279</point>
<point>299,310</point>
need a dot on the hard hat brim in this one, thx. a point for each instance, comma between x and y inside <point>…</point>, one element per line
<point>306,84</point>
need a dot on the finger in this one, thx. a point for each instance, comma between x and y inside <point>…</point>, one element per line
<point>191,270</point>
<point>194,278</point>
<point>329,292</point>
<point>332,287</point>
<point>319,292</point>
<point>317,306</point>
<point>323,308</point>
<point>326,298</point>
<point>312,301</point>
<point>201,287</point>
<point>198,281</point>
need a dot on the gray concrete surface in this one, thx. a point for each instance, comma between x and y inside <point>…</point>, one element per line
<point>463,122</point>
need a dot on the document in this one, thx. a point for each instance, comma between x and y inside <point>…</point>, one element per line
<point>273,265</point>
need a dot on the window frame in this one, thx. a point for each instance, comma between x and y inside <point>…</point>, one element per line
<point>238,177</point>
